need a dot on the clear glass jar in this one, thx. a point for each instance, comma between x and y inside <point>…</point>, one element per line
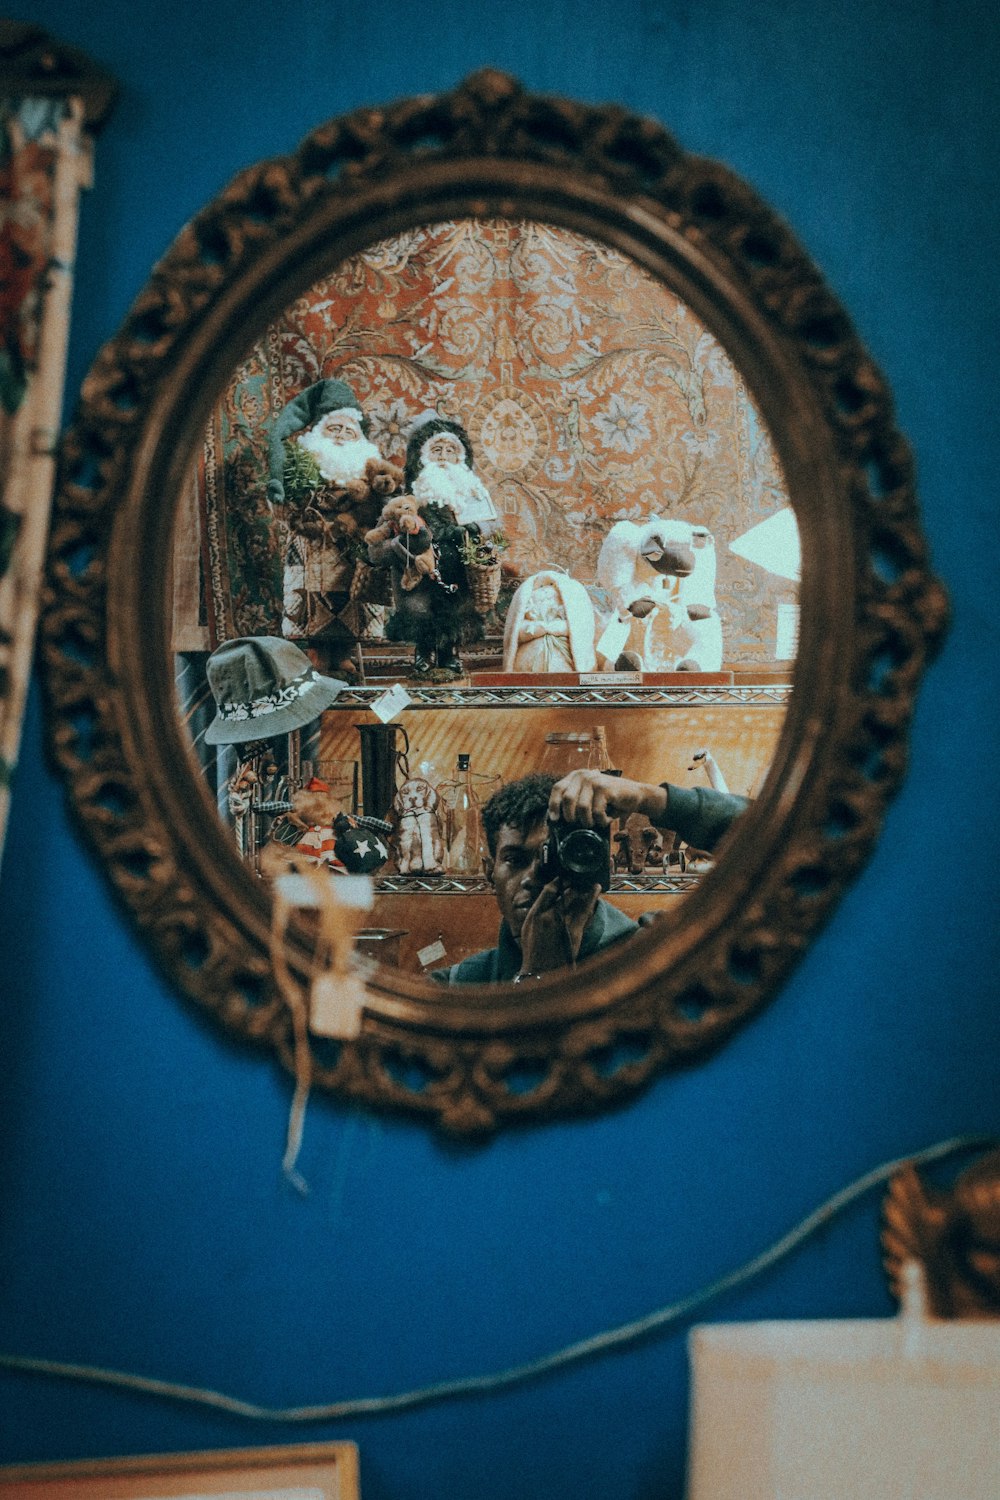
<point>568,750</point>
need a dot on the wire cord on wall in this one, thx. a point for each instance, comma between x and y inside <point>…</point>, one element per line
<point>482,1385</point>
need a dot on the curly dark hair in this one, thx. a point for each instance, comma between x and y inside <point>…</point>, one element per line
<point>520,804</point>
<point>423,434</point>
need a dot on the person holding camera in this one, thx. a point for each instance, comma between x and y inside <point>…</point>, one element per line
<point>550,858</point>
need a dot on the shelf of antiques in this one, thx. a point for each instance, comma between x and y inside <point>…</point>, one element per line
<point>353,792</point>
<point>705,733</point>
<point>649,734</point>
<point>618,690</point>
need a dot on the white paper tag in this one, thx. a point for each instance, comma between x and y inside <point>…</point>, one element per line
<point>611,679</point>
<point>297,890</point>
<point>355,891</point>
<point>335,1005</point>
<point>391,703</point>
<point>431,954</point>
<point>613,638</point>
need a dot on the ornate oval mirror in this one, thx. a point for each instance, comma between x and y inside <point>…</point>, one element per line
<point>612,336</point>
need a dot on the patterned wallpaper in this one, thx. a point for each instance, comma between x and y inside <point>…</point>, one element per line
<point>590,392</point>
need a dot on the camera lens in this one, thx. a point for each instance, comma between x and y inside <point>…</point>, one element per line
<point>583,855</point>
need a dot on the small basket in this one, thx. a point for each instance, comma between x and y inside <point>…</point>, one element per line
<point>484,585</point>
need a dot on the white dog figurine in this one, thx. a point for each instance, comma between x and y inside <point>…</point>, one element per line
<point>421,846</point>
<point>660,577</point>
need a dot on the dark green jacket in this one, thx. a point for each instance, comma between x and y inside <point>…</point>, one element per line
<point>495,965</point>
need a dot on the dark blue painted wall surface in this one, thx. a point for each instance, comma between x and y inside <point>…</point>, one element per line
<point>145,1223</point>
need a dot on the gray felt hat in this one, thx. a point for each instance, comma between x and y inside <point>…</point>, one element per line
<point>263,686</point>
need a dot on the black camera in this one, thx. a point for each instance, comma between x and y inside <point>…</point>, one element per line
<point>580,857</point>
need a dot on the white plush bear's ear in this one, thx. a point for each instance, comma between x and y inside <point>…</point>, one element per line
<point>616,563</point>
<point>667,529</point>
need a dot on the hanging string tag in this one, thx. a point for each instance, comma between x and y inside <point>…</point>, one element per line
<point>336,991</point>
<point>391,702</point>
<point>338,994</point>
<point>335,1006</point>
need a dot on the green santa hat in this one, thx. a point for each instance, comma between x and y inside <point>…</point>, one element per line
<point>316,401</point>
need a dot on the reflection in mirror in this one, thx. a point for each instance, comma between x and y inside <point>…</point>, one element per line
<point>499,463</point>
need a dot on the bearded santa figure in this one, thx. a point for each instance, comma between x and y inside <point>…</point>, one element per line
<point>439,472</point>
<point>438,614</point>
<point>331,482</point>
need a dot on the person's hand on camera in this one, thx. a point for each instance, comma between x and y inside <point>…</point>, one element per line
<point>554,926</point>
<point>590,799</point>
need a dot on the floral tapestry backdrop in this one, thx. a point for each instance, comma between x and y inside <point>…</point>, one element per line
<point>590,392</point>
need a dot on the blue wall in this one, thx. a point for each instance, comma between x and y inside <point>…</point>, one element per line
<point>146,1225</point>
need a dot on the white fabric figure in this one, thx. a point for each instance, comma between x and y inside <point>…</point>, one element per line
<point>660,577</point>
<point>550,626</point>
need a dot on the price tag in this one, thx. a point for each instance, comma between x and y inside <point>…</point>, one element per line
<point>432,954</point>
<point>335,1005</point>
<point>611,679</point>
<point>391,703</point>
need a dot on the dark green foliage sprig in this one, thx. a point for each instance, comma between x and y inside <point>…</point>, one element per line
<point>301,474</point>
<point>481,551</point>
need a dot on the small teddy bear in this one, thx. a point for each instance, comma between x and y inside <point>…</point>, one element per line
<point>402,525</point>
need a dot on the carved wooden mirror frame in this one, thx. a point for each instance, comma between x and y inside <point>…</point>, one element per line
<point>871,610</point>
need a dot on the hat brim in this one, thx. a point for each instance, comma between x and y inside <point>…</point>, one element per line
<point>319,695</point>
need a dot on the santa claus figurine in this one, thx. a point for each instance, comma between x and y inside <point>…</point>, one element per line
<point>550,626</point>
<point>331,482</point>
<point>438,614</point>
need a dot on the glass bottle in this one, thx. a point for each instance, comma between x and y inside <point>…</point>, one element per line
<point>464,823</point>
<point>600,758</point>
<point>567,750</point>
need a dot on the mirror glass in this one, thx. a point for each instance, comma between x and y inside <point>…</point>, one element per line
<point>610,435</point>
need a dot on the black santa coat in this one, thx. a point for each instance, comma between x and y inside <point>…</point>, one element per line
<point>430,615</point>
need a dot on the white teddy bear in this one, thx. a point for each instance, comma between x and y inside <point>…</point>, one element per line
<point>660,578</point>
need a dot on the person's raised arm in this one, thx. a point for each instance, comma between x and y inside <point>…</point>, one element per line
<point>591,799</point>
